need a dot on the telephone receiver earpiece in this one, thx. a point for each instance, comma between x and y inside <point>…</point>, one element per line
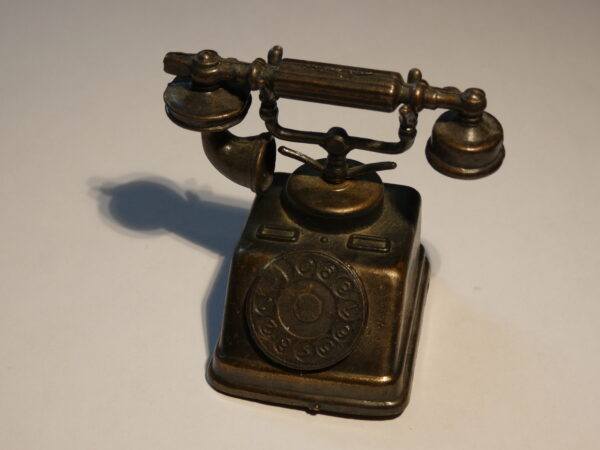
<point>464,149</point>
<point>196,105</point>
<point>466,146</point>
<point>211,94</point>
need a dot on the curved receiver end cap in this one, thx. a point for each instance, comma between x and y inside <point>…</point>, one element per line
<point>466,150</point>
<point>248,161</point>
<point>205,110</point>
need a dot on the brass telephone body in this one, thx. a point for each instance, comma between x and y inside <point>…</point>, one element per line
<point>328,281</point>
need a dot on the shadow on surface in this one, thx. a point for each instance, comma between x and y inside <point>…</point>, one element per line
<point>152,205</point>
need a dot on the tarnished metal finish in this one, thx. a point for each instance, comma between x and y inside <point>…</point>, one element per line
<point>389,263</point>
<point>198,109</point>
<point>463,148</point>
<point>247,161</point>
<point>338,85</point>
<point>349,205</point>
<point>306,310</point>
<point>213,93</point>
<point>328,281</point>
<point>320,82</point>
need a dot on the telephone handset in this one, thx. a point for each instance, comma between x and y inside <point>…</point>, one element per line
<point>327,283</point>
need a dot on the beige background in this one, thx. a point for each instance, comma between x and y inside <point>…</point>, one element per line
<point>115,231</point>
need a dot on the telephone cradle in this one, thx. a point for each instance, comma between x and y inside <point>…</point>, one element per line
<point>328,281</point>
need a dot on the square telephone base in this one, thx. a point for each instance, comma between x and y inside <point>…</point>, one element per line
<point>321,321</point>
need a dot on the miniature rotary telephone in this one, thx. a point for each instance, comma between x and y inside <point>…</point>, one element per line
<point>327,283</point>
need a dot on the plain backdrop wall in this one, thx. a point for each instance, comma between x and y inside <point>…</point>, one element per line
<point>115,231</point>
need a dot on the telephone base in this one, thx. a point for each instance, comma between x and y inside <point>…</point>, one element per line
<point>372,376</point>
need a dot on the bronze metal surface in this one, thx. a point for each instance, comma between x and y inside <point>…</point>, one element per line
<point>328,281</point>
<point>204,110</point>
<point>392,271</point>
<point>466,148</point>
<point>306,310</point>
<point>247,161</point>
<point>343,206</point>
